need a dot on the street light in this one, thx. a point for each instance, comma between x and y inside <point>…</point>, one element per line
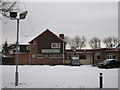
<point>13,16</point>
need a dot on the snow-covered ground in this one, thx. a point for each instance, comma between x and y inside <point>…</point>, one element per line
<point>0,70</point>
<point>36,76</point>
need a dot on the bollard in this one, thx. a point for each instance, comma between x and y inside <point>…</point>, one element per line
<point>101,81</point>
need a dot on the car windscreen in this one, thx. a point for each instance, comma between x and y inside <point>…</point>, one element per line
<point>106,61</point>
<point>76,60</point>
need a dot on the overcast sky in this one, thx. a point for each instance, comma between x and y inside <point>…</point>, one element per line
<point>99,19</point>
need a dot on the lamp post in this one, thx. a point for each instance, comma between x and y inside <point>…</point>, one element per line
<point>13,16</point>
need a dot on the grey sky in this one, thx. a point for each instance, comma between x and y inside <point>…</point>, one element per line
<point>90,19</point>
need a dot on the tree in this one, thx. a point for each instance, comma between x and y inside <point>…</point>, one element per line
<point>95,43</point>
<point>6,7</point>
<point>5,48</point>
<point>116,41</point>
<point>72,43</point>
<point>110,42</point>
<point>66,39</point>
<point>82,43</point>
<point>77,42</point>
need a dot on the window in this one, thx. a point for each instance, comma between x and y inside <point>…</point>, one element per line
<point>98,57</point>
<point>68,58</point>
<point>27,47</point>
<point>55,45</point>
<point>56,55</point>
<point>61,55</point>
<point>107,57</point>
<point>40,56</point>
<point>46,56</point>
<point>33,56</point>
<point>111,57</point>
<point>34,43</point>
<point>114,57</point>
<point>50,56</point>
<point>83,57</point>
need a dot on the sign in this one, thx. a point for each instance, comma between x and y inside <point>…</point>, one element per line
<point>50,51</point>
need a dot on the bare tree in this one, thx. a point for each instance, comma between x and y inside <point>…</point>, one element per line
<point>116,41</point>
<point>77,42</point>
<point>110,42</point>
<point>72,43</point>
<point>6,7</point>
<point>95,43</point>
<point>66,39</point>
<point>82,43</point>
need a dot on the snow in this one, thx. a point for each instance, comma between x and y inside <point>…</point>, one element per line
<point>0,70</point>
<point>59,76</point>
<point>0,77</point>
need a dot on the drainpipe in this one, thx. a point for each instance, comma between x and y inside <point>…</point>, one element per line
<point>63,54</point>
<point>29,56</point>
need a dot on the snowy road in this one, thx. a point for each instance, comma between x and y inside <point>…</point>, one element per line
<point>45,76</point>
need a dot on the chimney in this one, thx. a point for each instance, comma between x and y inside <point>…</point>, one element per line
<point>61,36</point>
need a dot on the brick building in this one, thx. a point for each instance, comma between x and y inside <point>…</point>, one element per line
<point>49,49</point>
<point>92,56</point>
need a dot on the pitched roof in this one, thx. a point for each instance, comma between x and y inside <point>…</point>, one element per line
<point>118,46</point>
<point>47,30</point>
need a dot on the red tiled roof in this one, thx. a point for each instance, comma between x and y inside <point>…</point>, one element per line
<point>47,30</point>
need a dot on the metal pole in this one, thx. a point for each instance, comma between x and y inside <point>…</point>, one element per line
<point>16,73</point>
<point>101,81</point>
<point>63,54</point>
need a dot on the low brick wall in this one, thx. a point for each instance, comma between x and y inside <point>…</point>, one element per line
<point>47,61</point>
<point>22,59</point>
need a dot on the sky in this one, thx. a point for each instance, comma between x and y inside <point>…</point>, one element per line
<point>89,19</point>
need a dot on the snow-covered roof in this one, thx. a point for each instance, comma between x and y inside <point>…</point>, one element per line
<point>118,46</point>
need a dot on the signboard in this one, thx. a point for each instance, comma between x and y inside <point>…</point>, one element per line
<point>50,51</point>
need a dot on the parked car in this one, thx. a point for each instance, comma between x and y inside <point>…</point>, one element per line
<point>75,61</point>
<point>109,63</point>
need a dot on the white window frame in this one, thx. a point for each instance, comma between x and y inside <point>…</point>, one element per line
<point>61,55</point>
<point>46,56</point>
<point>27,48</point>
<point>40,56</point>
<point>34,42</point>
<point>50,56</point>
<point>55,45</point>
<point>33,56</point>
<point>55,56</point>
<point>111,56</point>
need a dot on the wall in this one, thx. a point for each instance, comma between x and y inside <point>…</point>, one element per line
<point>47,61</point>
<point>22,59</point>
<point>88,59</point>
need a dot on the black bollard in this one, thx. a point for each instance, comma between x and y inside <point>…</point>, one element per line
<point>101,81</point>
